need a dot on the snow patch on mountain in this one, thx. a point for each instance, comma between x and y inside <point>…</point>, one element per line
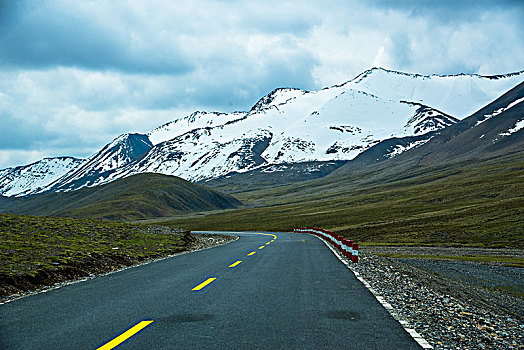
<point>194,121</point>
<point>427,119</point>
<point>518,126</point>
<point>401,149</point>
<point>457,95</point>
<point>24,180</point>
<point>121,151</point>
<point>500,110</point>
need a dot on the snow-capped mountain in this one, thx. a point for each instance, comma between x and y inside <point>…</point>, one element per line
<point>292,125</point>
<point>336,123</point>
<point>121,151</point>
<point>195,120</point>
<point>494,130</point>
<point>458,95</point>
<point>22,180</point>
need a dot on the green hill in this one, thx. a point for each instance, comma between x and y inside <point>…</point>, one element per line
<point>135,197</point>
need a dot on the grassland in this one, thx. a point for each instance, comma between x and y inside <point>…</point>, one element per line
<point>476,203</point>
<point>35,250</point>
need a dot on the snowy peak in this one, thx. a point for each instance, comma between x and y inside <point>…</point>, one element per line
<point>193,121</point>
<point>384,72</point>
<point>457,95</point>
<point>24,180</point>
<point>277,98</point>
<point>121,151</point>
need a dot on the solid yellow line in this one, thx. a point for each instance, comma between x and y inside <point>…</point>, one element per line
<point>205,283</point>
<point>252,253</point>
<point>235,263</point>
<point>126,335</point>
<point>262,247</point>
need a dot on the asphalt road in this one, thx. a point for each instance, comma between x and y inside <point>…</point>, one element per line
<point>292,294</point>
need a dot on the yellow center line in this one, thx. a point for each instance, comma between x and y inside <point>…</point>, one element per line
<point>205,283</point>
<point>252,253</point>
<point>235,263</point>
<point>262,247</point>
<point>268,243</point>
<point>126,335</point>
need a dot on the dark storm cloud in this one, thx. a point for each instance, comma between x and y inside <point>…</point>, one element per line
<point>43,35</point>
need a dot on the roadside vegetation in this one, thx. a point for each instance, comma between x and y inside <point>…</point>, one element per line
<point>36,251</point>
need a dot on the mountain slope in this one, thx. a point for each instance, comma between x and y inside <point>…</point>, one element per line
<point>135,197</point>
<point>459,95</point>
<point>337,123</point>
<point>23,180</point>
<point>491,133</point>
<point>494,130</point>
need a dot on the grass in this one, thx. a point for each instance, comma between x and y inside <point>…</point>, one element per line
<point>475,203</point>
<point>508,261</point>
<point>30,244</point>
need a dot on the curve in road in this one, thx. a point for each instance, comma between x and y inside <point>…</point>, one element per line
<point>263,291</point>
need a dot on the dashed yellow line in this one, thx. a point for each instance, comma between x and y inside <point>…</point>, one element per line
<point>205,283</point>
<point>235,263</point>
<point>126,335</point>
<point>143,324</point>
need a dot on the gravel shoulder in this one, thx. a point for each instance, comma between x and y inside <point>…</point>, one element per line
<point>452,304</point>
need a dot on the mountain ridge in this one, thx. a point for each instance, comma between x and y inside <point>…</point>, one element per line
<point>291,125</point>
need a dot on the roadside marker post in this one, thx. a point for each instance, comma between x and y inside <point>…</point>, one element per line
<point>347,247</point>
<point>355,253</point>
<point>350,250</point>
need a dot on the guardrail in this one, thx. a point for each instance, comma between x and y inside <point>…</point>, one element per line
<point>347,247</point>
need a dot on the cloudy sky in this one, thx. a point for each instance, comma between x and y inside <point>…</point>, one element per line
<point>76,74</point>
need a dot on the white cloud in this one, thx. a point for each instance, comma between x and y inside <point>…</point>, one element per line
<point>76,74</point>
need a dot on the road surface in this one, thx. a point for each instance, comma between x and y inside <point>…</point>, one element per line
<point>263,291</point>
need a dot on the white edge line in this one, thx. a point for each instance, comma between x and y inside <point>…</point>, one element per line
<point>90,277</point>
<point>405,324</point>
